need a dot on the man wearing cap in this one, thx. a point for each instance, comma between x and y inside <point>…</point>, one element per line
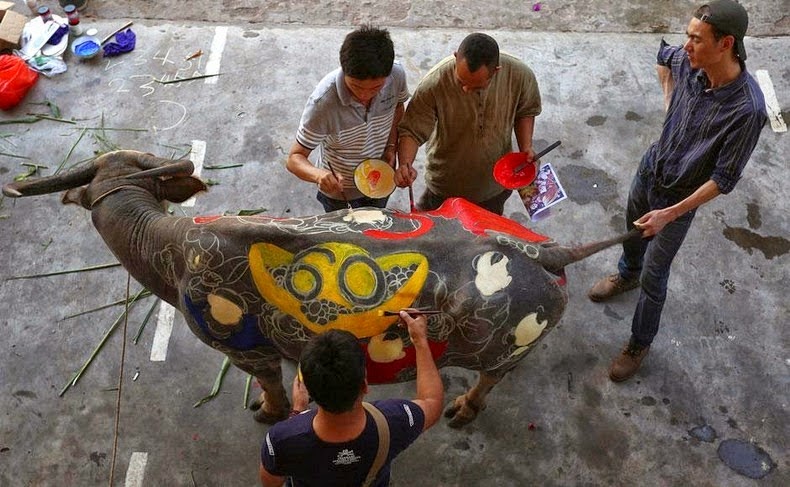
<point>715,113</point>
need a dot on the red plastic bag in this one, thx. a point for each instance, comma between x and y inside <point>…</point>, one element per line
<point>15,80</point>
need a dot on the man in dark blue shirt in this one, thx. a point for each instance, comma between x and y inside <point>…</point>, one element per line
<point>715,113</point>
<point>338,444</point>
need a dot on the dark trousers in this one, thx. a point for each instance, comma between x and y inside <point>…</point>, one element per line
<point>649,259</point>
<point>331,204</point>
<point>431,201</point>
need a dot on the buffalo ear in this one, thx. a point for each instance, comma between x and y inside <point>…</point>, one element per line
<point>180,189</point>
<point>76,196</point>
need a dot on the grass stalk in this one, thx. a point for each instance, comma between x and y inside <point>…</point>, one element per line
<point>68,271</point>
<point>6,154</point>
<point>247,384</point>
<point>145,321</point>
<point>221,166</point>
<point>144,295</point>
<point>217,384</point>
<point>107,334</point>
<point>179,80</point>
<point>82,134</point>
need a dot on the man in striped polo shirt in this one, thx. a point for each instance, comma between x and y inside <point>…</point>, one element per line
<point>715,113</point>
<point>351,116</point>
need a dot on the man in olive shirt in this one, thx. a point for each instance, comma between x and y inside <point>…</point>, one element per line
<point>466,108</point>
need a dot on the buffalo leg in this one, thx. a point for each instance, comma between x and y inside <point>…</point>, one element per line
<point>272,404</point>
<point>465,407</point>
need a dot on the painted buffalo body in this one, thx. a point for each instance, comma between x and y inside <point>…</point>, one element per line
<point>258,288</point>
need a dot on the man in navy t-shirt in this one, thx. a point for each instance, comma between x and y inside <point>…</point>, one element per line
<point>337,443</point>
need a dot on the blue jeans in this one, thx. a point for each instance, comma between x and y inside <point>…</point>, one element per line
<point>331,204</point>
<point>650,259</point>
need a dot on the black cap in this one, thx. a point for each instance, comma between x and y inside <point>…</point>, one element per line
<point>730,18</point>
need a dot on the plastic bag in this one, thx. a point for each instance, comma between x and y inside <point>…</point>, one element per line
<point>15,81</point>
<point>47,65</point>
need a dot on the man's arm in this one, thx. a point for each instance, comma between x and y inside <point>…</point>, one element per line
<point>269,480</point>
<point>301,167</point>
<point>419,121</point>
<point>392,141</point>
<point>430,390</point>
<point>524,129</point>
<point>652,222</point>
<point>407,151</point>
<point>667,83</point>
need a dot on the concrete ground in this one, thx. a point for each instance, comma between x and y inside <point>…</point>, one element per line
<point>720,361</point>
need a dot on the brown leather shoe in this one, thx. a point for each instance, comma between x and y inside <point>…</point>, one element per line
<point>611,286</point>
<point>625,365</point>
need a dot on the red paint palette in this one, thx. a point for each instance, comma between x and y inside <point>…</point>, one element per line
<point>505,171</point>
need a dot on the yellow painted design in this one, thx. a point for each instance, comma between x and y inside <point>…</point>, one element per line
<point>385,351</point>
<point>360,279</point>
<point>224,311</point>
<point>528,330</point>
<point>519,351</point>
<point>322,272</point>
<point>492,278</point>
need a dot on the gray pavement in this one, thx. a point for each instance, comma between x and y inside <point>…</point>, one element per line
<point>721,358</point>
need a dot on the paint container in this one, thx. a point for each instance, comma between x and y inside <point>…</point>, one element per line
<point>86,47</point>
<point>74,20</point>
<point>80,4</point>
<point>45,14</point>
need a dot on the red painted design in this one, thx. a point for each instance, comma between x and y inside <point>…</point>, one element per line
<point>477,220</point>
<point>386,373</point>
<point>424,222</point>
<point>373,178</point>
<point>200,220</point>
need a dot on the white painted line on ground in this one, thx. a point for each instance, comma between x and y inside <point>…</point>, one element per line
<point>136,471</point>
<point>215,56</point>
<point>164,328</point>
<point>771,103</point>
<point>196,155</point>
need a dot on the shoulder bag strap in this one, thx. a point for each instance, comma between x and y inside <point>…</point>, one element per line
<point>384,442</point>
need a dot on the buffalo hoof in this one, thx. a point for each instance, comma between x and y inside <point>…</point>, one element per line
<point>462,412</point>
<point>261,415</point>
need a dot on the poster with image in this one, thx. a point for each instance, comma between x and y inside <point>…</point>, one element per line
<point>545,192</point>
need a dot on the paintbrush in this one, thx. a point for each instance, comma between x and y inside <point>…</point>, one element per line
<point>411,312</point>
<point>342,193</point>
<point>537,156</point>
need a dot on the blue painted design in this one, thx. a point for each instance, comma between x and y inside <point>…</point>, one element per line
<point>245,339</point>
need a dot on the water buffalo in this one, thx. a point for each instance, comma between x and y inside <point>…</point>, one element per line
<point>258,288</point>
